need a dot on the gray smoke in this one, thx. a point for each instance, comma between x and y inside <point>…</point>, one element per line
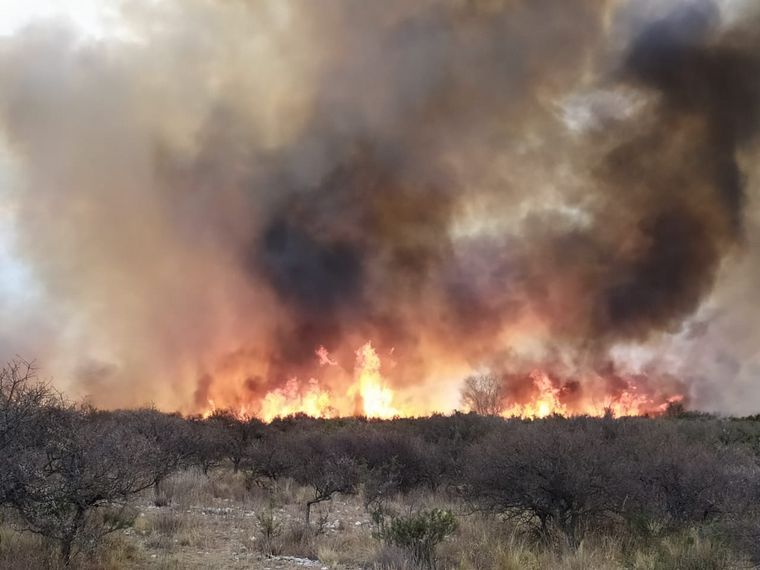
<point>207,203</point>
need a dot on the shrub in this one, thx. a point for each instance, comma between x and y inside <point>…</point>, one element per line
<point>321,465</point>
<point>207,446</point>
<point>419,534</point>
<point>561,474</point>
<point>268,459</point>
<point>170,439</point>
<point>683,480</point>
<point>74,488</point>
<point>269,532</point>
<point>234,435</point>
<point>483,394</point>
<point>24,407</point>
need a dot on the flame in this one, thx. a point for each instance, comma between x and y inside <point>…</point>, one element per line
<point>365,391</point>
<point>324,357</point>
<point>547,401</point>
<point>367,395</point>
<point>294,399</point>
<point>208,412</point>
<point>375,398</point>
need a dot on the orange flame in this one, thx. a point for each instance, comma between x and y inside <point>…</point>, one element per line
<point>547,401</point>
<point>366,392</point>
<point>375,398</point>
<point>293,399</point>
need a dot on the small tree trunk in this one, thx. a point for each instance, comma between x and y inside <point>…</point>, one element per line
<point>68,540</point>
<point>66,550</point>
<point>314,502</point>
<point>544,528</point>
<point>573,530</point>
<point>158,500</point>
<point>308,511</point>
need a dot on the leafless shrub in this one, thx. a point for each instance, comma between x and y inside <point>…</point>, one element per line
<point>552,474</point>
<point>24,408</point>
<point>268,459</point>
<point>169,438</point>
<point>234,435</point>
<point>75,486</point>
<point>69,472</point>
<point>483,394</point>
<point>587,474</point>
<point>685,481</point>
<point>207,451</point>
<point>324,468</point>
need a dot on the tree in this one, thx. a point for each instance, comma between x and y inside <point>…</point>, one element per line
<point>207,448</point>
<point>23,405</point>
<point>324,468</point>
<point>237,434</point>
<point>76,484</point>
<point>483,394</point>
<point>269,458</point>
<point>550,474</point>
<point>170,437</point>
<point>686,480</point>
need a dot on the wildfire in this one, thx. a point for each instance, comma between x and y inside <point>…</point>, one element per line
<point>375,399</point>
<point>368,394</point>
<point>293,399</point>
<point>545,403</point>
<point>548,399</point>
<point>365,391</point>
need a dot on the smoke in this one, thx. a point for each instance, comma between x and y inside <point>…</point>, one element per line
<point>208,199</point>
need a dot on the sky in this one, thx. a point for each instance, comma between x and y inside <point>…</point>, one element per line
<point>93,18</point>
<point>89,18</point>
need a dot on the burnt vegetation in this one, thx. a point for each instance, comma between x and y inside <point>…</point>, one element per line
<point>70,472</point>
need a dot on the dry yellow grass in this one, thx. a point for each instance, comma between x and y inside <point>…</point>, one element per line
<point>219,522</point>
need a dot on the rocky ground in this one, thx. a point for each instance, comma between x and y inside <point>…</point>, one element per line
<point>217,523</point>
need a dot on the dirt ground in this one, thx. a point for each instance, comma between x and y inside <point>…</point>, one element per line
<point>215,523</point>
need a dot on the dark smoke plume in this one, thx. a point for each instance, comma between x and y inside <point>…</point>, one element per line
<point>468,184</point>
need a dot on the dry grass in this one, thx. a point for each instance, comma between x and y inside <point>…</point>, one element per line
<point>391,558</point>
<point>192,488</point>
<point>488,544</point>
<point>350,548</point>
<point>219,522</point>
<point>689,550</point>
<point>23,551</point>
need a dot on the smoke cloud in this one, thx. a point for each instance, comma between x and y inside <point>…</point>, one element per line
<point>486,184</point>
